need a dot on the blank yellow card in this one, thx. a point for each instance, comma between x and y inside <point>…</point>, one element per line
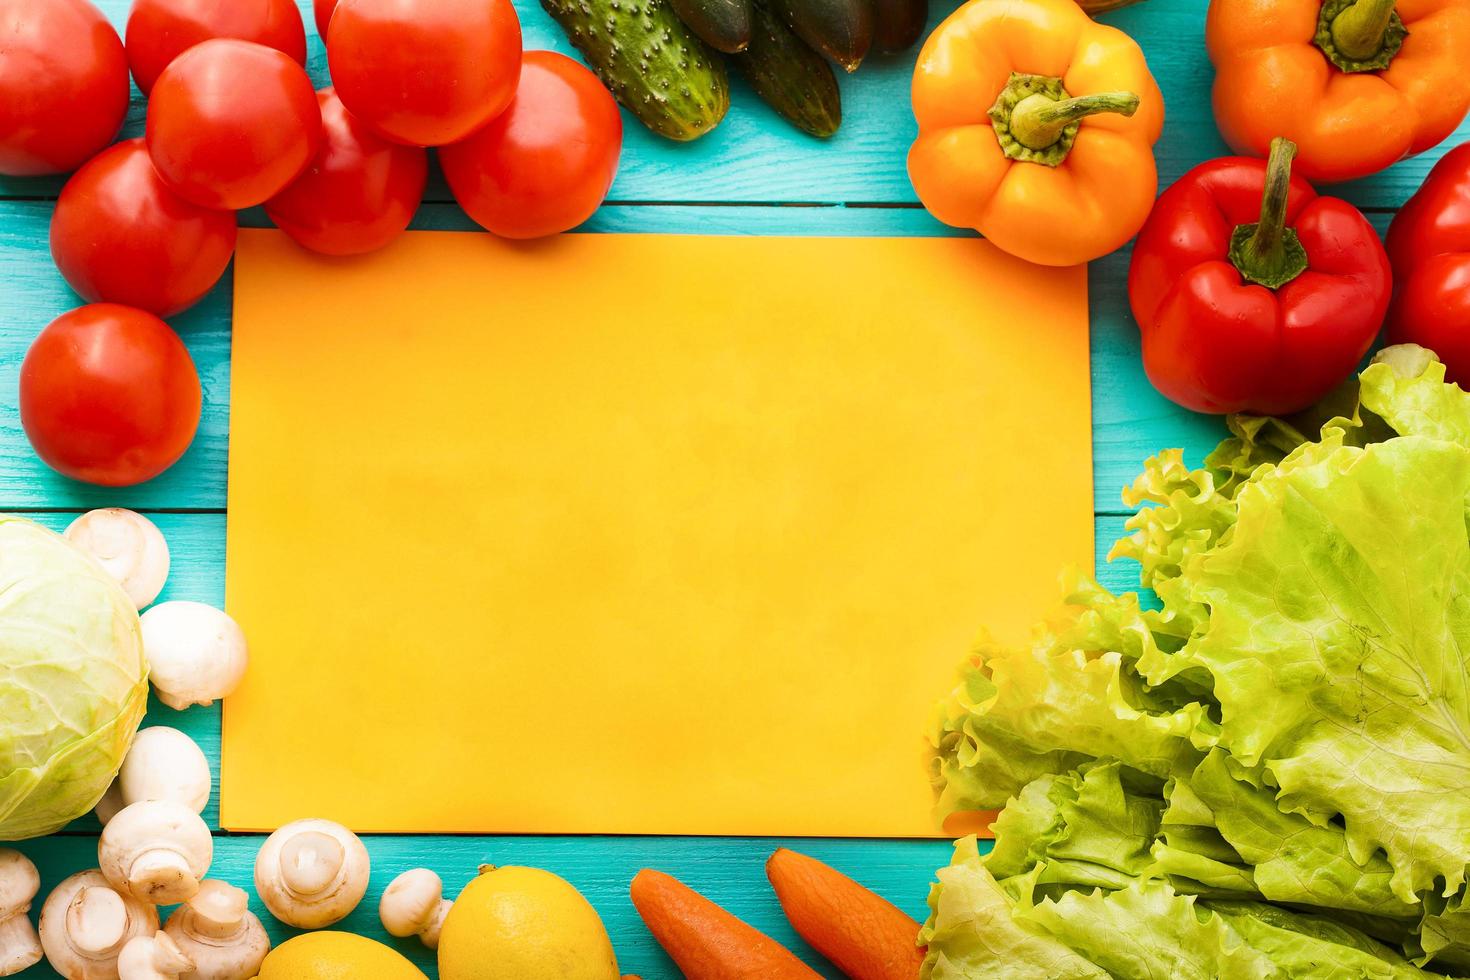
<point>635,534</point>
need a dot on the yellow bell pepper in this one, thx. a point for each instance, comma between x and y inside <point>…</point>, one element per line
<point>1036,128</point>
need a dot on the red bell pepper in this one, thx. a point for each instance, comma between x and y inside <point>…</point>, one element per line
<point>1252,293</point>
<point>1429,244</point>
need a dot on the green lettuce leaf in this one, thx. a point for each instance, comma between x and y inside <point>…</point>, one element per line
<point>1018,714</point>
<point>1313,948</point>
<point>1336,639</point>
<point>971,932</point>
<point>1084,829</point>
<point>1150,932</point>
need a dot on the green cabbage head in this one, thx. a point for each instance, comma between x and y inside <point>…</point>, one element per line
<point>73,680</point>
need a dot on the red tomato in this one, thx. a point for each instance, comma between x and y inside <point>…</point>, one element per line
<point>358,194</point>
<point>63,85</point>
<point>425,72</point>
<point>161,30</point>
<point>231,122</point>
<point>119,235</point>
<point>109,395</point>
<point>547,162</point>
<point>323,11</point>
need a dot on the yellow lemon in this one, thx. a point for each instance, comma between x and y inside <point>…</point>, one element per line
<point>336,956</point>
<point>524,924</point>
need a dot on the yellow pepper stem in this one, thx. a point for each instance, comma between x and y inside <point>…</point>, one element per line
<point>1360,35</point>
<point>1268,253</point>
<point>1036,120</point>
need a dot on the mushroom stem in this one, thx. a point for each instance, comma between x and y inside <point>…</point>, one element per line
<point>20,947</point>
<point>85,924</point>
<point>156,850</point>
<point>218,932</point>
<point>96,921</point>
<point>155,957</point>
<point>312,873</point>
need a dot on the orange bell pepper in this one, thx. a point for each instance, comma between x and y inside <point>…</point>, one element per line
<point>1356,84</point>
<point>1036,128</point>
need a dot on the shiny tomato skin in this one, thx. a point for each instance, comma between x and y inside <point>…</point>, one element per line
<point>359,193</point>
<point>230,123</point>
<point>159,31</point>
<point>322,11</point>
<point>119,235</point>
<point>546,163</point>
<point>63,85</point>
<point>109,395</point>
<point>425,72</point>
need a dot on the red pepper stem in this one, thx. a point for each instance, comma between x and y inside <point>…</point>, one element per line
<point>1037,121</point>
<point>1360,30</point>
<point>1268,253</point>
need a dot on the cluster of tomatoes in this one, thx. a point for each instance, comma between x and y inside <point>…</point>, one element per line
<point>528,142</point>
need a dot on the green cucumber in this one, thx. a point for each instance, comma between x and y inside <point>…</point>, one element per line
<point>840,29</point>
<point>898,24</point>
<point>789,75</point>
<point>652,62</point>
<point>722,24</point>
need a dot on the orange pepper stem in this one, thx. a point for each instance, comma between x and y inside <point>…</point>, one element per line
<point>1268,253</point>
<point>1360,35</point>
<point>1036,120</point>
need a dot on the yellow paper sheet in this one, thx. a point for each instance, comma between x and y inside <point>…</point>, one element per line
<point>635,534</point>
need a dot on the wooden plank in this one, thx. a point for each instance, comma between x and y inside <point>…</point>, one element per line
<point>729,870</point>
<point>755,156</point>
<point>1130,420</point>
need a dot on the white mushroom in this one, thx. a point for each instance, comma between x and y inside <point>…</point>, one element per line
<point>163,764</point>
<point>414,905</point>
<point>20,947</point>
<point>157,851</point>
<point>312,873</point>
<point>85,924</point>
<point>155,957</point>
<point>129,546</point>
<point>110,804</point>
<point>217,930</point>
<point>196,653</point>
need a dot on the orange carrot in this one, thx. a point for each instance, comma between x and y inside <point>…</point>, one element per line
<point>865,936</point>
<point>707,942</point>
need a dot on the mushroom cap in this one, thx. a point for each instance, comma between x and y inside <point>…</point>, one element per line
<point>165,764</point>
<point>110,805</point>
<point>312,873</point>
<point>196,653</point>
<point>129,546</point>
<point>85,923</point>
<point>156,850</point>
<point>19,881</point>
<point>411,903</point>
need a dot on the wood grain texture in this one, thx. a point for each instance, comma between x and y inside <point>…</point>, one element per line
<point>865,161</point>
<point>752,163</point>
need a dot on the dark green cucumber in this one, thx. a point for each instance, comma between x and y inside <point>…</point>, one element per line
<point>722,24</point>
<point>789,75</point>
<point>898,24</point>
<point>649,59</point>
<point>840,29</point>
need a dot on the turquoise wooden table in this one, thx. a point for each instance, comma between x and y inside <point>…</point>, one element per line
<point>753,176</point>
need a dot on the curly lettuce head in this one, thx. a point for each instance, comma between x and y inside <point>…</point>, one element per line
<point>73,680</point>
